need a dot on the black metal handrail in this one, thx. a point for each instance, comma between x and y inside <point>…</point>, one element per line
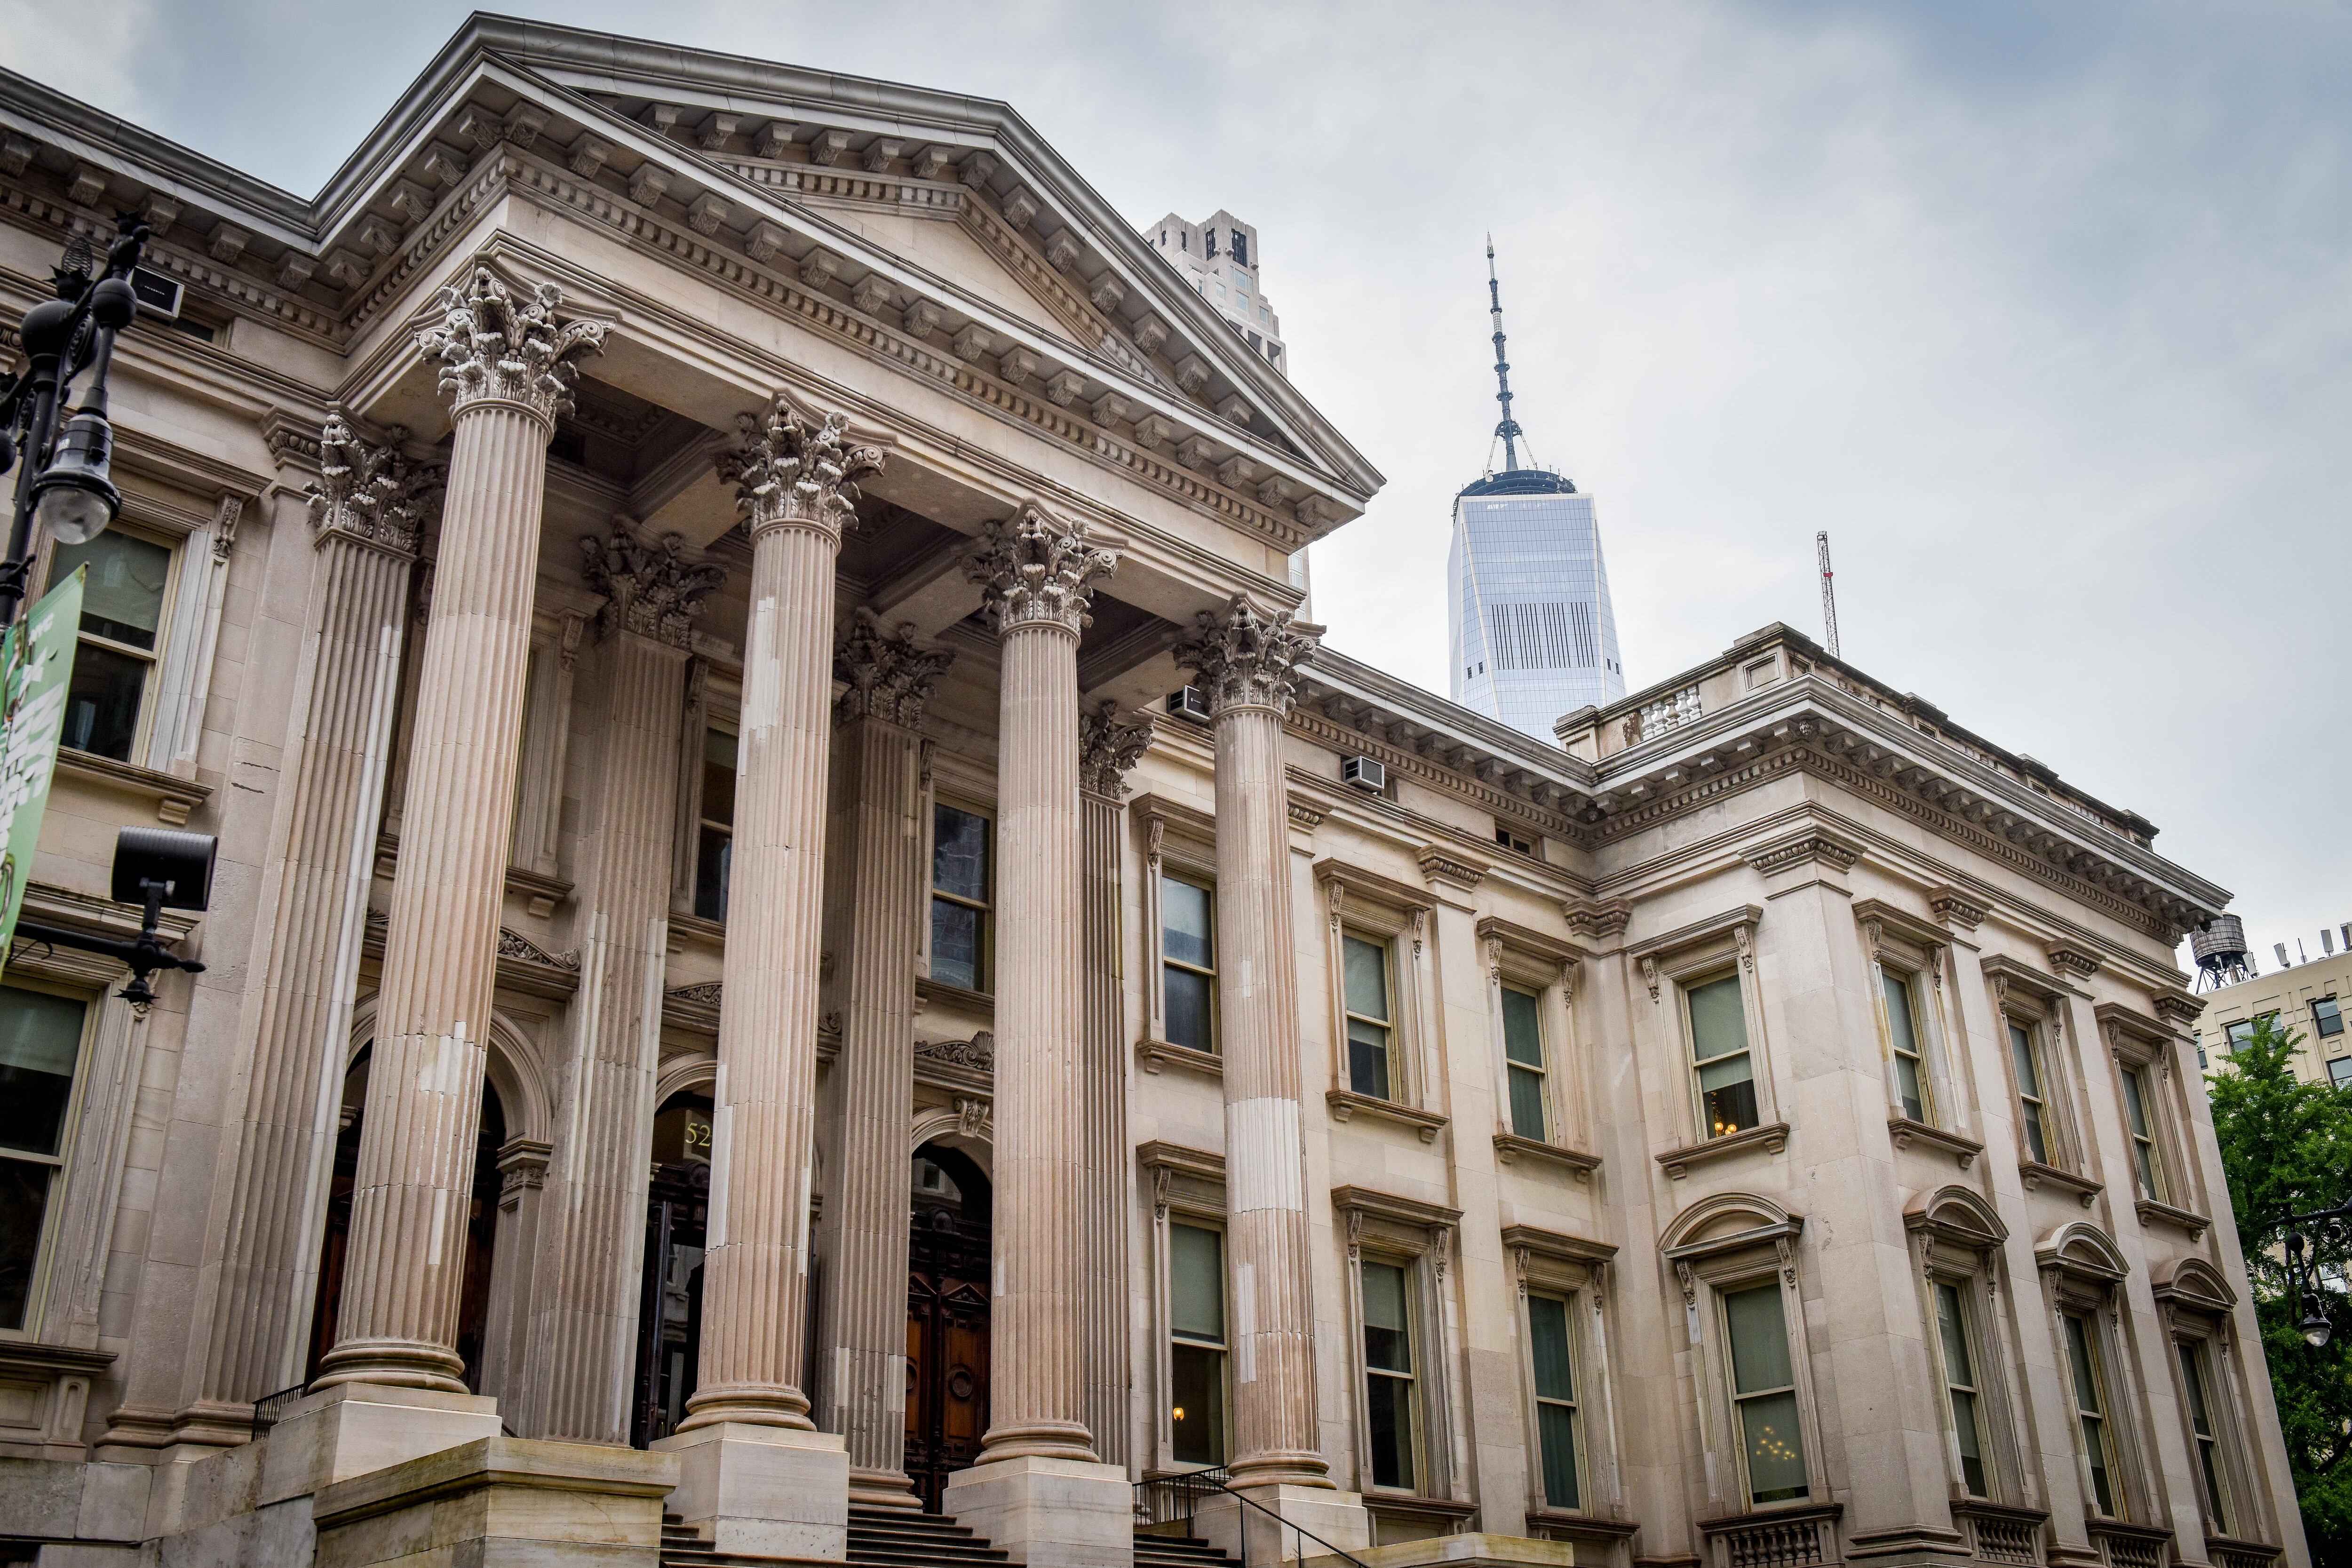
<point>269,1407</point>
<point>1185,1490</point>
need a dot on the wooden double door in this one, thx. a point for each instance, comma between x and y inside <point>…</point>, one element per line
<point>947,1319</point>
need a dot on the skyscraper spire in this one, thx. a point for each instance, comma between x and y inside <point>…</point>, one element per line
<point>1508,430</point>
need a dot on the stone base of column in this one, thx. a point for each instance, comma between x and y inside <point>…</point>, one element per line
<point>1048,1514</point>
<point>1472,1551</point>
<point>882,1489</point>
<point>352,1428</point>
<point>501,1500</point>
<point>763,1492</point>
<point>1249,1536</point>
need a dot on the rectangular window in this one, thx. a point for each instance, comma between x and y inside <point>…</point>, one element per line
<point>1515,842</point>
<point>1187,963</point>
<point>40,1046</point>
<point>2146,1166</point>
<point>2201,1426</point>
<point>961,891</point>
<point>1719,1054</point>
<point>1910,1057</point>
<point>121,629</point>
<point>1196,1348</point>
<point>2239,1033</point>
<point>2033,1109</point>
<point>1523,1053</point>
<point>2339,1072</point>
<point>1960,1380</point>
<point>1389,1394</point>
<point>2091,1410</point>
<point>2326,1018</point>
<point>714,854</point>
<point>1555,1399</point>
<point>1370,1027</point>
<point>1764,1396</point>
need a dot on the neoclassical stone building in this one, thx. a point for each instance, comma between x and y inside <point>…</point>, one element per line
<point>735,990</point>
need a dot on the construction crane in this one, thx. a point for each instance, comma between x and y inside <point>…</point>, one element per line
<point>1829,596</point>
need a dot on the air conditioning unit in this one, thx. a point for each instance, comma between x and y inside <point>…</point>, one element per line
<point>1367,773</point>
<point>1191,702</point>
<point>157,295</point>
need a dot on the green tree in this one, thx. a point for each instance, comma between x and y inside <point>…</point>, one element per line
<point>2286,1146</point>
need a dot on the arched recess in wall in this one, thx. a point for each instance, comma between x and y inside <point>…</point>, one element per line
<point>1723,1217</point>
<point>2083,1250</point>
<point>968,1129</point>
<point>511,1066</point>
<point>1959,1216</point>
<point>697,1072</point>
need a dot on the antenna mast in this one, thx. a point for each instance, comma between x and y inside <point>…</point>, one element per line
<point>1509,427</point>
<point>1829,595</point>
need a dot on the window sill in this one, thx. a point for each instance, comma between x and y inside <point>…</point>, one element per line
<point>698,931</point>
<point>939,993</point>
<point>1773,1137</point>
<point>1509,1146</point>
<point>2120,1542</point>
<point>2036,1174</point>
<point>59,1379</point>
<point>1346,1102</point>
<point>1802,1531</point>
<point>2230,1552</point>
<point>172,796</point>
<point>1409,1505</point>
<point>1999,1532</point>
<point>2194,1224</point>
<point>1155,1055</point>
<point>1567,1524</point>
<point>1905,1132</point>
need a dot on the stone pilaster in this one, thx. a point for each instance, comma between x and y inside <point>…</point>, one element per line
<point>1247,662</point>
<point>365,511</point>
<point>1109,743</point>
<point>584,1301</point>
<point>880,862</point>
<point>796,484</point>
<point>507,367</point>
<point>1039,1490</point>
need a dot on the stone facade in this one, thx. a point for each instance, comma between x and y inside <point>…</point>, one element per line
<point>669,591</point>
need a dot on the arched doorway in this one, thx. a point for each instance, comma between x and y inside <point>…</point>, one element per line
<point>946,1318</point>
<point>481,1227</point>
<point>669,1305</point>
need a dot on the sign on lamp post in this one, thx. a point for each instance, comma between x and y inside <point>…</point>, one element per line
<point>36,667</point>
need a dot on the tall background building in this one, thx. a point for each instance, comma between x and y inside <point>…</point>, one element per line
<point>1532,632</point>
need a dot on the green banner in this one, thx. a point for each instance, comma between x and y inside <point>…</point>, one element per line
<point>36,667</point>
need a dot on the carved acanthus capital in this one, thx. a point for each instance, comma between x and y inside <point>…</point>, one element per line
<point>1247,659</point>
<point>1035,570</point>
<point>788,469</point>
<point>494,348</point>
<point>1111,743</point>
<point>890,672</point>
<point>371,495</point>
<point>653,590</point>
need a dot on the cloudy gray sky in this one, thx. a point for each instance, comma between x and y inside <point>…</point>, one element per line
<point>2044,312</point>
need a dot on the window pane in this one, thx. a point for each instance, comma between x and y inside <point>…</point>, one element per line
<point>1527,1103</point>
<point>1759,1340</point>
<point>718,752</point>
<point>1184,922</point>
<point>2194,1383</point>
<point>1388,1336</point>
<point>1958,1368</point>
<point>40,1038</point>
<point>1391,1402</point>
<point>1718,1023</point>
<point>2326,1016</point>
<point>23,1203</point>
<point>123,597</point>
<point>102,701</point>
<point>1727,1096</point>
<point>2036,1143</point>
<point>2020,1050</point>
<point>959,853</point>
<point>955,944</point>
<point>1367,977</point>
<point>1556,1424</point>
<point>2078,1361</point>
<point>2133,1103</point>
<point>1906,1084</point>
<point>1899,1022</point>
<point>1196,1282</point>
<point>2095,1443</point>
<point>1776,1451</point>
<point>714,859</point>
<point>1188,1009</point>
<point>1522,1029</point>
<point>1367,1058</point>
<point>1197,1413</point>
<point>1964,1427</point>
<point>1548,1326</point>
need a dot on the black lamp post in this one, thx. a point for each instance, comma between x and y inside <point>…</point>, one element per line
<point>2305,1235</point>
<point>64,485</point>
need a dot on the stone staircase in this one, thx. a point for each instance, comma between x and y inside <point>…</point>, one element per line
<point>1153,1550</point>
<point>901,1538</point>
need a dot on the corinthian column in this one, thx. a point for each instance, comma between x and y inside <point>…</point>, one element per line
<point>1037,1490</point>
<point>507,368</point>
<point>365,511</point>
<point>1246,662</point>
<point>880,861</point>
<point>796,485</point>
<point>1109,744</point>
<point>582,1339</point>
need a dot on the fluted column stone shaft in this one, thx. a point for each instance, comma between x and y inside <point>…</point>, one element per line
<point>890,677</point>
<point>796,484</point>
<point>584,1303</point>
<point>365,513</point>
<point>505,365</point>
<point>1035,571</point>
<point>1246,663</point>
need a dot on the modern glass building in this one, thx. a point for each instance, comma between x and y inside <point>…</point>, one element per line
<point>1526,590</point>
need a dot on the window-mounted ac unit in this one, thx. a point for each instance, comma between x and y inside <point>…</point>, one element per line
<point>157,295</point>
<point>1367,773</point>
<point>1191,702</point>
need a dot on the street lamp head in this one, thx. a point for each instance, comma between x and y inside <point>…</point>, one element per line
<point>112,304</point>
<point>74,498</point>
<point>2317,1330</point>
